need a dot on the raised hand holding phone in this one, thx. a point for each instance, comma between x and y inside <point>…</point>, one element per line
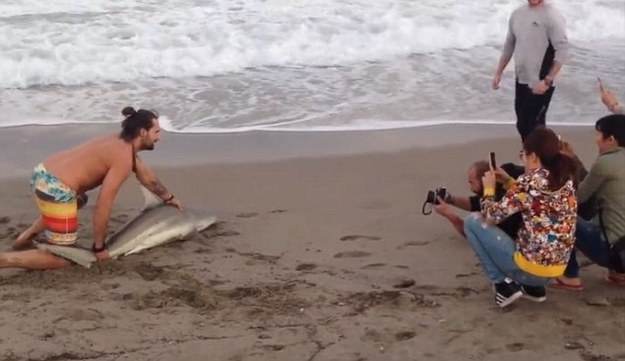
<point>489,180</point>
<point>607,97</point>
<point>493,161</point>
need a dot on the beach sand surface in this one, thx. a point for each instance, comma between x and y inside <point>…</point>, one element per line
<point>320,253</point>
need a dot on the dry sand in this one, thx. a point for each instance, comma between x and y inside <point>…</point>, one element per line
<point>318,257</point>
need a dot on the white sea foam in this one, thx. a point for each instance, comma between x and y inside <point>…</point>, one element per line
<point>214,66</point>
<point>82,42</point>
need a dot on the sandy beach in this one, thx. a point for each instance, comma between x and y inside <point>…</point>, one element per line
<point>320,253</point>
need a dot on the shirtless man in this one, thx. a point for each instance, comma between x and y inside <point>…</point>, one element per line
<point>60,181</point>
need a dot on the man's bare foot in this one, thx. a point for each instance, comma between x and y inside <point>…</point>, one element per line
<point>24,241</point>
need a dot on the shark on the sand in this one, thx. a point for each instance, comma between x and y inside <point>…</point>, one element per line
<point>157,224</point>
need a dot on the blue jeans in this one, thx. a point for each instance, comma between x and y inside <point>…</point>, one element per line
<point>495,250</point>
<point>590,241</point>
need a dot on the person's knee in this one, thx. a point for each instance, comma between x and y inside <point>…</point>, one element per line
<point>583,227</point>
<point>473,221</point>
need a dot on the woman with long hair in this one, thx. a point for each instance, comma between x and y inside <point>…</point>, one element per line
<point>545,198</point>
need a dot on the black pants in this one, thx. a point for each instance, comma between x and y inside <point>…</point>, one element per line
<point>530,108</point>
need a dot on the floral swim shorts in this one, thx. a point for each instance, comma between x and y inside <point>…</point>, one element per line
<point>58,206</point>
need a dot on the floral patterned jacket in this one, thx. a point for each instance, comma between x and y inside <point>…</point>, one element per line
<point>547,236</point>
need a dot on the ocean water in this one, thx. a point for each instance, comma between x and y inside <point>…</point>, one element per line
<point>210,66</point>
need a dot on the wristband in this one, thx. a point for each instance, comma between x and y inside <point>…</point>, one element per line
<point>489,191</point>
<point>509,183</point>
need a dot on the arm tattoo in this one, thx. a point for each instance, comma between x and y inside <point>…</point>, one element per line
<point>149,180</point>
<point>157,188</point>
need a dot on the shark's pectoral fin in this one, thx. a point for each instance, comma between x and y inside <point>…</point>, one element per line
<point>76,254</point>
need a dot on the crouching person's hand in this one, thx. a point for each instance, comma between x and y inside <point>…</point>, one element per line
<point>443,208</point>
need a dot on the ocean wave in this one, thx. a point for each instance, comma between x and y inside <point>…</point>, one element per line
<point>75,43</point>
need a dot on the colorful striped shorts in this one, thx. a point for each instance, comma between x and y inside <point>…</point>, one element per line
<point>58,206</point>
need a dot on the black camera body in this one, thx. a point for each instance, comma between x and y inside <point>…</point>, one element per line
<point>433,198</point>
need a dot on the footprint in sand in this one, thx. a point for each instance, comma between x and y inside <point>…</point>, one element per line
<point>203,250</point>
<point>463,275</point>
<point>373,265</point>
<point>5,220</point>
<point>228,234</point>
<point>247,215</point>
<point>148,271</point>
<point>81,315</point>
<point>359,238</point>
<point>404,283</point>
<point>464,291</point>
<point>515,347</point>
<point>413,244</point>
<point>352,254</point>
<point>273,347</point>
<point>278,211</point>
<point>405,335</point>
<point>305,267</point>
<point>218,232</point>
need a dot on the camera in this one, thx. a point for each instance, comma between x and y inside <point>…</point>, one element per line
<point>432,198</point>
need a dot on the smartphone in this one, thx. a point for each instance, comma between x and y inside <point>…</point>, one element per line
<point>493,162</point>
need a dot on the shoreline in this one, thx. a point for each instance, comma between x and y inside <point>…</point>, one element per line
<point>175,150</point>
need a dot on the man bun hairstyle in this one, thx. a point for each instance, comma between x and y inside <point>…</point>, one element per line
<point>134,121</point>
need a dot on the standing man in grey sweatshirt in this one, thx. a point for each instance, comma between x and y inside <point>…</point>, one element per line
<point>537,39</point>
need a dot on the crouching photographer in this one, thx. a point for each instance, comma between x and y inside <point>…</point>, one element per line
<point>444,203</point>
<point>545,195</point>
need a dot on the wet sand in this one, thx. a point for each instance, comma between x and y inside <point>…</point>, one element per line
<point>320,253</point>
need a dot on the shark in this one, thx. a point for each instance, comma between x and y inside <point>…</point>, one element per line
<point>155,225</point>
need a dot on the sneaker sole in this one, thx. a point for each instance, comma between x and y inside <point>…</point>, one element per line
<point>515,296</point>
<point>535,299</point>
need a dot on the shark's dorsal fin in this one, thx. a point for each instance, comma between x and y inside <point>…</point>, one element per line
<point>150,198</point>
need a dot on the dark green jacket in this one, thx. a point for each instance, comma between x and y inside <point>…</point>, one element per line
<point>606,183</point>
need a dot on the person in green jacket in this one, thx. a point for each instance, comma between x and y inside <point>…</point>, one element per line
<point>605,183</point>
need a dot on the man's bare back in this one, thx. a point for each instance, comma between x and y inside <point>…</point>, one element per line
<point>104,162</point>
<point>85,166</point>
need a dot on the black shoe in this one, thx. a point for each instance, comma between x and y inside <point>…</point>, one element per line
<point>507,292</point>
<point>534,293</point>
